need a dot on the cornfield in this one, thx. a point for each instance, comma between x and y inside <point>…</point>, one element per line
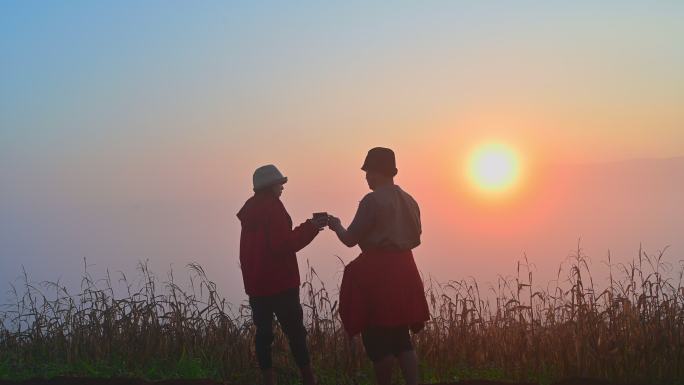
<point>631,330</point>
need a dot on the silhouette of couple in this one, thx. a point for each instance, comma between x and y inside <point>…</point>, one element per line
<point>381,295</point>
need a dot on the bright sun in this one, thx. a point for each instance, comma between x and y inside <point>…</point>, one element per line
<point>494,167</point>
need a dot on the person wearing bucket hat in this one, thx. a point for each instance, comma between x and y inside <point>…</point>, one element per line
<point>268,260</point>
<point>267,176</point>
<point>380,160</point>
<point>382,295</point>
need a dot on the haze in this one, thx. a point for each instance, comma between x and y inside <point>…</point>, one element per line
<point>130,131</point>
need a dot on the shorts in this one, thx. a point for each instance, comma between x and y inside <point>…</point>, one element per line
<point>383,341</point>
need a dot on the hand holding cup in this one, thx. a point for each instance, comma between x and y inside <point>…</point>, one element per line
<point>334,222</point>
<point>320,220</point>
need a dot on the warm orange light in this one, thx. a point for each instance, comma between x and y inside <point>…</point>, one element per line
<point>494,168</point>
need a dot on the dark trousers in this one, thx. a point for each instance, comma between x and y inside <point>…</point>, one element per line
<point>286,307</point>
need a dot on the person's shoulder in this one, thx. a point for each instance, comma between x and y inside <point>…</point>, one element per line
<point>256,208</point>
<point>266,204</point>
<point>369,199</point>
<point>401,190</point>
<point>407,195</point>
<point>276,204</point>
<point>275,210</point>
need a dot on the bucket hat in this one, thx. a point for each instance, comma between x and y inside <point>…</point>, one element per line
<point>381,160</point>
<point>266,176</point>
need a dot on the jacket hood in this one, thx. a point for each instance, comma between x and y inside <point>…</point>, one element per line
<point>256,209</point>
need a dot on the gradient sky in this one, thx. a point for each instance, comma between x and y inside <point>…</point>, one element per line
<point>130,130</point>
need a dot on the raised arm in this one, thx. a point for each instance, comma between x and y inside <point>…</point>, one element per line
<point>343,235</point>
<point>283,238</point>
<point>362,223</point>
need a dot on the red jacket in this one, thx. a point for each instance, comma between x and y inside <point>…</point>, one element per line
<point>382,288</point>
<point>268,245</point>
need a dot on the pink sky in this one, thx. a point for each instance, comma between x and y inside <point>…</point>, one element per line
<point>133,135</point>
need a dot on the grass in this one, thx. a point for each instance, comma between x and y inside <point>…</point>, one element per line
<point>632,330</point>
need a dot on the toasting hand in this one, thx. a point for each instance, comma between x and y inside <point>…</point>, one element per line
<point>319,220</point>
<point>334,223</point>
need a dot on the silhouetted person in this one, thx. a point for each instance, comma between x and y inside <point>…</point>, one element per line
<point>382,295</point>
<point>268,244</point>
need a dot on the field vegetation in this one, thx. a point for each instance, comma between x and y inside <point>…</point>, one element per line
<point>630,330</point>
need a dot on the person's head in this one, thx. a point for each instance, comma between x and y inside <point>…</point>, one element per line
<point>268,180</point>
<point>380,167</point>
<point>276,190</point>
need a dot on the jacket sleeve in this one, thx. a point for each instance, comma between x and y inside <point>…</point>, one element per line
<point>282,237</point>
<point>352,307</point>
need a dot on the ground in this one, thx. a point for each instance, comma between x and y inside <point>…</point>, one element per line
<point>122,381</point>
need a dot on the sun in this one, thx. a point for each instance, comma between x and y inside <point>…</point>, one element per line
<point>494,168</point>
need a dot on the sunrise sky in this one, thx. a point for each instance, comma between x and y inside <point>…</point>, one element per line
<point>130,130</point>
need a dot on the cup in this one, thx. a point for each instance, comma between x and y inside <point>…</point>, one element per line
<point>322,215</point>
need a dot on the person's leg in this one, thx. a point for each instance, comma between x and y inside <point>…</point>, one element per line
<point>408,361</point>
<point>377,342</point>
<point>308,377</point>
<point>267,376</point>
<point>289,312</point>
<point>383,370</point>
<point>402,348</point>
<point>262,316</point>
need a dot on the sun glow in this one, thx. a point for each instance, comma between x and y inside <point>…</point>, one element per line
<point>494,168</point>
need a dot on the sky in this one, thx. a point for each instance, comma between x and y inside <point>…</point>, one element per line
<point>130,130</point>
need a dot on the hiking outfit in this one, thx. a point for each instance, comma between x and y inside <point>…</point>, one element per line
<point>268,260</point>
<point>382,295</point>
